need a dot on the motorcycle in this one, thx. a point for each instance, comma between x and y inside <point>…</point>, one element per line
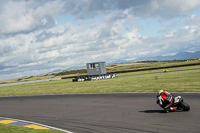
<point>180,104</point>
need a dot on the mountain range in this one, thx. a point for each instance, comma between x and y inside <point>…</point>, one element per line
<point>178,56</point>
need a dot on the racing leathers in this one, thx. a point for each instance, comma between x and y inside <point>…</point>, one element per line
<point>166,100</point>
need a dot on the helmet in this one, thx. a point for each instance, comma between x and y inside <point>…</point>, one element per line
<point>160,91</point>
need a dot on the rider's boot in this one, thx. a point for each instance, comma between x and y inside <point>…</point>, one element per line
<point>172,109</point>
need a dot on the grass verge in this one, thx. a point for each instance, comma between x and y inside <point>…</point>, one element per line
<point>16,129</point>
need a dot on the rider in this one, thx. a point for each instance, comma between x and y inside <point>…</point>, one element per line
<point>165,100</point>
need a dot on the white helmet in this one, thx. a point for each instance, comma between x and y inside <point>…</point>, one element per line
<point>160,91</point>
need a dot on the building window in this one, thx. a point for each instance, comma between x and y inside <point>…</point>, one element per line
<point>94,65</point>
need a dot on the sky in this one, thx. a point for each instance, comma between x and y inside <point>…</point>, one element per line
<point>42,36</point>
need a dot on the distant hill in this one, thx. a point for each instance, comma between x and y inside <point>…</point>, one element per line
<point>178,56</point>
<point>71,68</point>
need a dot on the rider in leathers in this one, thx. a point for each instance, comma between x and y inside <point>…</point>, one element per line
<point>165,100</point>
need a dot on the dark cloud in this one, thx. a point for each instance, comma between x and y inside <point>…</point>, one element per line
<point>46,35</point>
<point>5,50</point>
<point>92,8</point>
<point>142,8</point>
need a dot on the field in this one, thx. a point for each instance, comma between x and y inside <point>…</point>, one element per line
<point>175,80</point>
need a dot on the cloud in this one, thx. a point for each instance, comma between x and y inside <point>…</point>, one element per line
<point>143,8</point>
<point>32,41</point>
<point>26,16</point>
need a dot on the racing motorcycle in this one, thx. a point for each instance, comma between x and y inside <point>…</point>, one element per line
<point>180,104</point>
<point>177,104</point>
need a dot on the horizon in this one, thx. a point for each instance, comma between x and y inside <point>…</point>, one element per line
<point>117,62</point>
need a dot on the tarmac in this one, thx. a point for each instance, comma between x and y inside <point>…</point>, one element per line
<point>102,113</point>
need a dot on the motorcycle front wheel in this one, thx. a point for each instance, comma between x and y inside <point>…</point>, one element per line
<point>184,106</point>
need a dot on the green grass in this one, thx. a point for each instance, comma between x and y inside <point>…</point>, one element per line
<point>16,129</point>
<point>179,81</point>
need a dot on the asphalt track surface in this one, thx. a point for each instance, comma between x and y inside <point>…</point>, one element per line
<point>104,113</point>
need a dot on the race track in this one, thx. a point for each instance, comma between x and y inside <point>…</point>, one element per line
<point>104,113</point>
